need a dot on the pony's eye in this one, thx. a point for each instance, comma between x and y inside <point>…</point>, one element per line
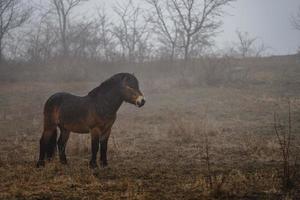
<point>130,83</point>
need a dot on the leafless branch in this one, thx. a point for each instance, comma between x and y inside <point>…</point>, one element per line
<point>12,15</point>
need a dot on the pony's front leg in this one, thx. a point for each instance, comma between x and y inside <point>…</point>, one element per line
<point>103,142</point>
<point>103,152</point>
<point>95,135</point>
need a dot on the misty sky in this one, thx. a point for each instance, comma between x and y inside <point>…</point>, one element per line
<point>269,20</point>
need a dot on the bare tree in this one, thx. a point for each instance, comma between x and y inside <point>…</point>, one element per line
<point>63,9</point>
<point>41,42</point>
<point>106,36</point>
<point>81,39</point>
<point>131,32</point>
<point>296,20</point>
<point>96,41</point>
<point>284,139</point>
<point>196,18</point>
<point>248,46</point>
<point>245,43</point>
<point>12,15</point>
<point>165,25</point>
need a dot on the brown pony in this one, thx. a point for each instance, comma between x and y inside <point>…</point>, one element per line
<point>94,113</point>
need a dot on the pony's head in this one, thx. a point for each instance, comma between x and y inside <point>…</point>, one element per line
<point>130,90</point>
<point>125,84</point>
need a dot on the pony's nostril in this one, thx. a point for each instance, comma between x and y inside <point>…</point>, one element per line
<point>141,102</point>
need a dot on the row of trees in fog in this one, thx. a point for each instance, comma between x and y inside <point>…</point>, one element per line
<point>161,29</point>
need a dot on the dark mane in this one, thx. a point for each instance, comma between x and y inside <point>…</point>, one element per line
<point>107,85</point>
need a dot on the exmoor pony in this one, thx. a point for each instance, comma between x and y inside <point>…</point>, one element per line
<point>94,113</point>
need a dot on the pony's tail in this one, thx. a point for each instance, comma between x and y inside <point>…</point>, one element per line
<point>51,145</point>
<point>48,141</point>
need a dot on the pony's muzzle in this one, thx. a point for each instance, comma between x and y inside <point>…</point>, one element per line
<point>140,101</point>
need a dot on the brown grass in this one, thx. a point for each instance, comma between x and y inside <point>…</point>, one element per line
<point>158,151</point>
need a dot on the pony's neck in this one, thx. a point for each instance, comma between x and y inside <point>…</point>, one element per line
<point>109,103</point>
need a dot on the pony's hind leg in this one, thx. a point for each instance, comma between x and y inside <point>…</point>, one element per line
<point>62,142</point>
<point>41,161</point>
<point>47,145</point>
<point>51,148</point>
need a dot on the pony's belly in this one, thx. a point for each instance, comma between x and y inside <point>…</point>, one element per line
<point>77,128</point>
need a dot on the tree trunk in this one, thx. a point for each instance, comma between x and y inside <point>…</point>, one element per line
<point>172,52</point>
<point>1,52</point>
<point>65,46</point>
<point>187,48</point>
<point>186,52</point>
<point>63,36</point>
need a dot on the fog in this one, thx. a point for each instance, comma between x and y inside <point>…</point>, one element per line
<point>222,89</point>
<point>268,20</point>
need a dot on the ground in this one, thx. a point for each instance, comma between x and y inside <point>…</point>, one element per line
<point>187,142</point>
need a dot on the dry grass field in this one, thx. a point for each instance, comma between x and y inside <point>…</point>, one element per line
<point>190,141</point>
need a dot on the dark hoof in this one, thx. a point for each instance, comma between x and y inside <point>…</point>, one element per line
<point>64,161</point>
<point>103,164</point>
<point>93,165</point>
<point>40,163</point>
